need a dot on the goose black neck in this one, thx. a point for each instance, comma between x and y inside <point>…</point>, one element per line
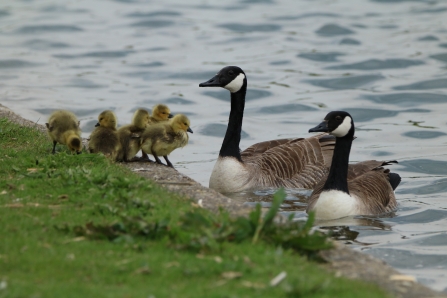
<point>338,174</point>
<point>230,145</point>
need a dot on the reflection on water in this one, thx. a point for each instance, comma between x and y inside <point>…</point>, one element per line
<point>382,60</point>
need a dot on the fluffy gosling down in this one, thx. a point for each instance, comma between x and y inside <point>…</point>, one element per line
<point>160,113</point>
<point>163,138</point>
<point>366,189</point>
<point>63,128</point>
<point>104,139</point>
<point>129,135</point>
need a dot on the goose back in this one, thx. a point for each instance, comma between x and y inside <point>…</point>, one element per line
<point>161,139</point>
<point>106,141</point>
<point>296,163</point>
<point>129,136</point>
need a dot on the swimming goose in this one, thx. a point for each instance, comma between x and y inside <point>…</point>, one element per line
<point>296,163</point>
<point>129,135</point>
<point>162,138</point>
<point>160,113</point>
<point>363,189</point>
<point>63,128</point>
<point>104,138</point>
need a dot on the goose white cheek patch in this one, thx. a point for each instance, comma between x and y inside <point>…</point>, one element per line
<point>343,128</point>
<point>236,84</point>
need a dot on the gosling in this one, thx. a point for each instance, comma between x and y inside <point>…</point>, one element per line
<point>160,113</point>
<point>129,135</point>
<point>63,128</point>
<point>105,138</point>
<point>163,138</point>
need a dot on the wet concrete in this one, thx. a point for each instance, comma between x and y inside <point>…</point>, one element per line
<point>341,260</point>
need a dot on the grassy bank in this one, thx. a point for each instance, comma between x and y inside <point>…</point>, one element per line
<point>77,225</point>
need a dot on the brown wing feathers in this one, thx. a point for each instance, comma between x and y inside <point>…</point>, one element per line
<point>298,163</point>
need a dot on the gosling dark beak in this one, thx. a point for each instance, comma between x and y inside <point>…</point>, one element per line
<point>170,116</point>
<point>322,127</point>
<point>78,152</point>
<point>213,82</point>
<point>189,130</point>
<point>97,124</point>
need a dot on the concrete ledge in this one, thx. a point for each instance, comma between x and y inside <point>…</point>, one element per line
<point>341,260</point>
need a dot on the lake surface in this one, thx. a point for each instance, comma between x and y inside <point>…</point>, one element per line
<point>384,61</point>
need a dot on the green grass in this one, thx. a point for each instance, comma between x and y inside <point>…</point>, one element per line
<point>80,226</point>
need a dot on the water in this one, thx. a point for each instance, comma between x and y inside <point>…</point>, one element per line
<point>384,61</point>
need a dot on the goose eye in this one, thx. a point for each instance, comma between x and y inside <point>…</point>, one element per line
<point>231,72</point>
<point>338,118</point>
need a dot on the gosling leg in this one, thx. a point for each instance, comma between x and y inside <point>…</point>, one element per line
<point>168,162</point>
<point>145,157</point>
<point>54,147</point>
<point>157,160</point>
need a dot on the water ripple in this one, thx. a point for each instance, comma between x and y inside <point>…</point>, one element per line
<point>437,186</point>
<point>15,63</point>
<point>153,24</point>
<point>252,94</point>
<point>217,130</point>
<point>41,44</point>
<point>441,57</point>
<point>287,108</point>
<point>350,41</point>
<point>321,56</point>
<point>163,13</point>
<point>429,84</point>
<point>238,27</point>
<point>423,134</point>
<point>428,38</point>
<point>333,29</point>
<point>374,64</point>
<point>408,99</point>
<point>99,54</point>
<point>425,166</point>
<point>350,82</point>
<point>37,29</point>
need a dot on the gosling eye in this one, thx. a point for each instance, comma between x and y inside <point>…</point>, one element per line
<point>338,118</point>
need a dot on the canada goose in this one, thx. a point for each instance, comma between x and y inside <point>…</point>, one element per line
<point>105,138</point>
<point>63,128</point>
<point>365,189</point>
<point>162,138</point>
<point>160,113</point>
<point>296,163</point>
<point>129,135</point>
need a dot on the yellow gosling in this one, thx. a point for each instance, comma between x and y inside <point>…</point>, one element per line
<point>104,139</point>
<point>163,138</point>
<point>63,128</point>
<point>160,113</point>
<point>129,135</point>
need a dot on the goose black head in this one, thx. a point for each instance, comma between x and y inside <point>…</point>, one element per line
<point>231,78</point>
<point>337,123</point>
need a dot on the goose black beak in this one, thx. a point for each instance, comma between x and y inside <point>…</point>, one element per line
<point>78,152</point>
<point>189,130</point>
<point>322,127</point>
<point>213,82</point>
<point>170,116</point>
<point>97,124</point>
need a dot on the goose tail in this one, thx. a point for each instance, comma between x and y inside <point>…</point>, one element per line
<point>394,180</point>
